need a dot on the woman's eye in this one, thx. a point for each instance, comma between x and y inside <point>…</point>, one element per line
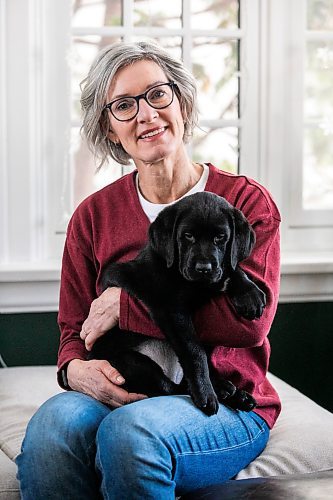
<point>189,237</point>
<point>157,94</point>
<point>124,105</point>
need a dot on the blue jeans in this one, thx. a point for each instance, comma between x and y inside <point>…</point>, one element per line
<point>76,448</point>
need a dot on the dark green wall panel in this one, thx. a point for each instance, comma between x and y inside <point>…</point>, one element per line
<point>29,338</point>
<point>301,339</point>
<point>302,349</point>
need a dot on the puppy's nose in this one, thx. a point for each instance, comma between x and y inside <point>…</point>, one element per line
<point>203,267</point>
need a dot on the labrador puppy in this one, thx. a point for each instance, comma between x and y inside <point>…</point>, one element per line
<point>193,253</point>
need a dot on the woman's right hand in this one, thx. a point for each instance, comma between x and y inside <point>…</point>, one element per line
<point>103,315</point>
<point>97,378</point>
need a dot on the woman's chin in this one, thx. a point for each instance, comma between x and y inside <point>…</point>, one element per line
<point>158,154</point>
<point>156,157</point>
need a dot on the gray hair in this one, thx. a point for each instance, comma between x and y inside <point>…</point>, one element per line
<point>95,87</point>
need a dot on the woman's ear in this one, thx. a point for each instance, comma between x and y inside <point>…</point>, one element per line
<point>113,137</point>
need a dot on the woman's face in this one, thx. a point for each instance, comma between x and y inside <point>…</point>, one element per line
<point>167,123</point>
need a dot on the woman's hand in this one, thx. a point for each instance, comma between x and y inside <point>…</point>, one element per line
<point>99,379</point>
<point>103,315</point>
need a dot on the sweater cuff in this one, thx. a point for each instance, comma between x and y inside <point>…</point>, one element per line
<point>62,378</point>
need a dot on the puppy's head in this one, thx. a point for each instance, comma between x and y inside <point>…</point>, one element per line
<point>203,235</point>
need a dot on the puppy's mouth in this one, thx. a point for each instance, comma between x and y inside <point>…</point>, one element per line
<point>207,277</point>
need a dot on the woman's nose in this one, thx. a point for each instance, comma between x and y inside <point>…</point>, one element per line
<point>146,112</point>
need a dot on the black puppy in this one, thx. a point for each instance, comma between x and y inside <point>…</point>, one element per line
<point>192,254</point>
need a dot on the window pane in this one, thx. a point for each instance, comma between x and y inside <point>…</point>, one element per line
<point>172,44</point>
<point>318,169</point>
<point>83,51</point>
<point>96,13</point>
<point>319,81</point>
<point>218,88</point>
<point>158,13</point>
<point>217,146</point>
<point>211,14</point>
<point>320,14</point>
<point>318,135</point>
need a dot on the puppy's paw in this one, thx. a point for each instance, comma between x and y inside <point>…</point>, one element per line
<point>206,400</point>
<point>250,305</point>
<point>241,400</point>
<point>211,405</point>
<point>225,389</point>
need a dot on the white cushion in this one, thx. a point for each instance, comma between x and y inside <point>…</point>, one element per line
<point>301,440</point>
<point>22,390</point>
<point>9,487</point>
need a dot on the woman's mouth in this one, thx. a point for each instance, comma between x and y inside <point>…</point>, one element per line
<point>152,134</point>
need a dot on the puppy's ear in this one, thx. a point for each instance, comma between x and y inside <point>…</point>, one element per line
<point>243,239</point>
<point>162,234</point>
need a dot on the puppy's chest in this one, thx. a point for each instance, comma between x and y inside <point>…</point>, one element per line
<point>162,353</point>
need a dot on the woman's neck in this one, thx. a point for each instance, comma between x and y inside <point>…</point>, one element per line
<point>167,180</point>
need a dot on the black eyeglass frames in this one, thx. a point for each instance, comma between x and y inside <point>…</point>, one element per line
<point>126,108</point>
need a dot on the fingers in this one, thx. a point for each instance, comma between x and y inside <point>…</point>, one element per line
<point>90,336</point>
<point>119,395</point>
<point>112,374</point>
<point>103,316</point>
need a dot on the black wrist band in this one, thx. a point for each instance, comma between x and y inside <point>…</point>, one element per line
<point>64,379</point>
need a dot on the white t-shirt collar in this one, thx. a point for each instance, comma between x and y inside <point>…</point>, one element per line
<point>153,209</point>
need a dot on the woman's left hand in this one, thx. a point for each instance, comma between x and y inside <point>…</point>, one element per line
<point>103,315</point>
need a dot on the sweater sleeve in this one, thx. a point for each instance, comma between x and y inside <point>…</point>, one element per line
<point>217,322</point>
<point>77,291</point>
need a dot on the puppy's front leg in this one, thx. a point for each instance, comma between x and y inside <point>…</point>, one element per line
<point>248,299</point>
<point>179,331</point>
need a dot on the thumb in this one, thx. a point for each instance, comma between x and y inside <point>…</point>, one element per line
<point>91,339</point>
<point>112,374</point>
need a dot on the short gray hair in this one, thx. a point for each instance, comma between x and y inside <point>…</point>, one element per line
<point>95,87</point>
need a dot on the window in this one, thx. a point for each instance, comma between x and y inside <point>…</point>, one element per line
<point>318,107</point>
<point>312,112</point>
<point>307,167</point>
<point>264,72</point>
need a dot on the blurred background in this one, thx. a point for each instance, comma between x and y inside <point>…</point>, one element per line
<point>264,70</point>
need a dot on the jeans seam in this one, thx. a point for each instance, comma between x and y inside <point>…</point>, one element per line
<point>219,450</point>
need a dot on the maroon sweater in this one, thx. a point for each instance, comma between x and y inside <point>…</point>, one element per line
<point>111,225</point>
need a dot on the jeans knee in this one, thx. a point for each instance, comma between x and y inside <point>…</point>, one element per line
<point>59,449</point>
<point>128,424</point>
<point>65,418</point>
<point>133,432</point>
<point>132,454</point>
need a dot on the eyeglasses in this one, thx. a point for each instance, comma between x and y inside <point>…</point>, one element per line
<point>158,97</point>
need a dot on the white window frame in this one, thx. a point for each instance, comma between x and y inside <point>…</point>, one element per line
<point>33,38</point>
<point>307,243</point>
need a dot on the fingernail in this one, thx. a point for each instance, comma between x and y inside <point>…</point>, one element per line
<point>120,379</point>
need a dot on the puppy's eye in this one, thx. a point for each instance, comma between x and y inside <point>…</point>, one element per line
<point>218,238</point>
<point>189,237</point>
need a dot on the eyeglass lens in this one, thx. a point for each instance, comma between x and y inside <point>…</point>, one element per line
<point>157,97</point>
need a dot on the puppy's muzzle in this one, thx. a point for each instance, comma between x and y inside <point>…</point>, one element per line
<point>203,268</point>
<point>203,271</point>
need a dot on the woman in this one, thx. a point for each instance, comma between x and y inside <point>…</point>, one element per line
<point>140,103</point>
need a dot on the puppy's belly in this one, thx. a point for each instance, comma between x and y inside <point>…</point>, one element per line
<point>162,353</point>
